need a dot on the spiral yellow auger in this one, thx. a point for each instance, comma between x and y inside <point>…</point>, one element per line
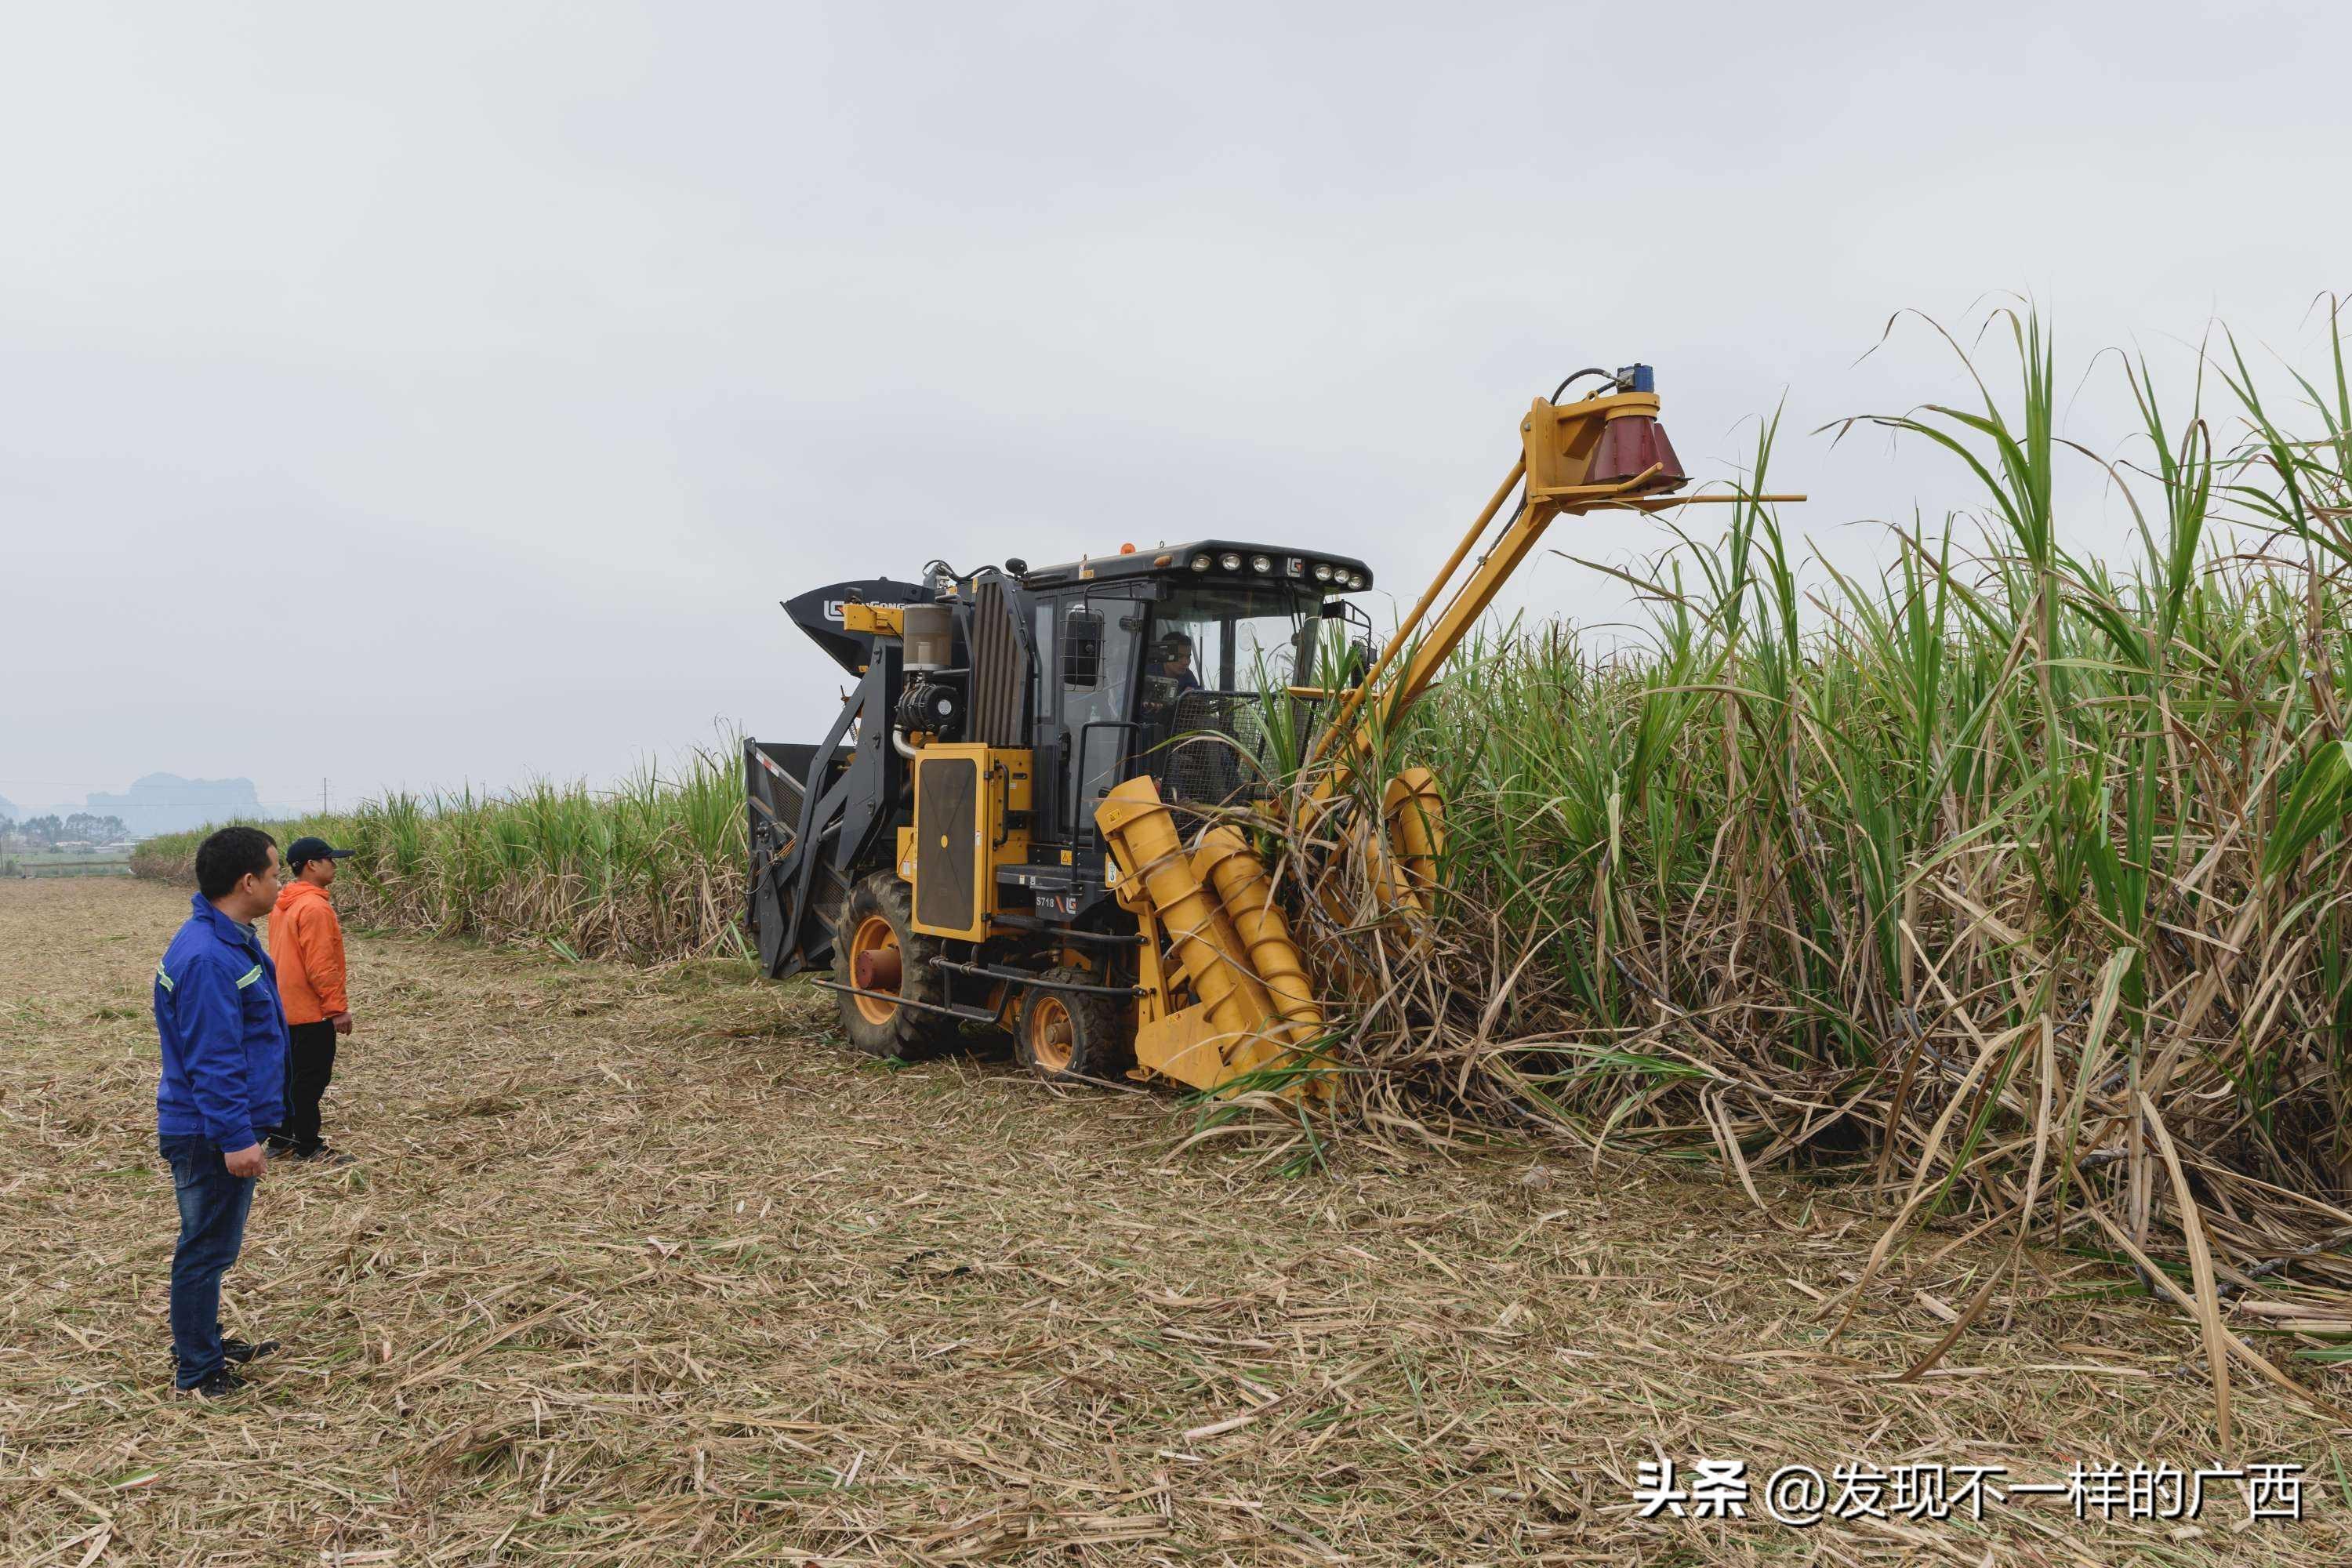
<point>1232,1028</point>
<point>1225,862</point>
<point>1413,809</point>
<point>1390,864</point>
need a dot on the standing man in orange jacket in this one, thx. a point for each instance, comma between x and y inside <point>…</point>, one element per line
<point>306,941</point>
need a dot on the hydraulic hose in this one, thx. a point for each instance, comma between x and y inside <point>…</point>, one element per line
<point>1580,375</point>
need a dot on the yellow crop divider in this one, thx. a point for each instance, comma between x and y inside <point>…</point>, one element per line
<point>1225,862</point>
<point>1233,1027</point>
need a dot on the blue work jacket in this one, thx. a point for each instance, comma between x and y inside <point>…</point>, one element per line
<point>223,1032</point>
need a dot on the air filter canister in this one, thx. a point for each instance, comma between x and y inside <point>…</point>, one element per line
<point>930,636</point>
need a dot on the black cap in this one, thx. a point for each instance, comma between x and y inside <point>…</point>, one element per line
<point>303,850</point>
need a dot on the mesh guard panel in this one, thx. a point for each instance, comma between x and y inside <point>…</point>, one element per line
<point>1213,750</point>
<point>946,802</point>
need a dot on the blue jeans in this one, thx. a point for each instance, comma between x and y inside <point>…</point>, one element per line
<point>213,1206</point>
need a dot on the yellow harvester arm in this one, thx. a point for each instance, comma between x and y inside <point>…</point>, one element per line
<point>1228,995</point>
<point>1601,452</point>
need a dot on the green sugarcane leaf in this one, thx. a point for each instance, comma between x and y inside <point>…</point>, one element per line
<point>2316,803</point>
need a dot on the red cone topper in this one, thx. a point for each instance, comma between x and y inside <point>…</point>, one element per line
<point>1629,446</point>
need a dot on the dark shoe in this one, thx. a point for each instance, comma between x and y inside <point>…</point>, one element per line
<point>322,1155</point>
<point>274,1143</point>
<point>219,1385</point>
<point>236,1351</point>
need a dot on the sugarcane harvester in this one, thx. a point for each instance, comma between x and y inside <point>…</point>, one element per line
<point>1030,811</point>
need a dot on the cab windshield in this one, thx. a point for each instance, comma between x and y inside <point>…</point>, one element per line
<point>1233,638</point>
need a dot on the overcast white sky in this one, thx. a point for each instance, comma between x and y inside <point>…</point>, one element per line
<point>435,394</point>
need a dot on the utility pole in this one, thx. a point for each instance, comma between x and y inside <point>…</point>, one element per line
<point>322,798</point>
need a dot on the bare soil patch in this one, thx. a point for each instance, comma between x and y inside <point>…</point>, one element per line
<point>640,1267</point>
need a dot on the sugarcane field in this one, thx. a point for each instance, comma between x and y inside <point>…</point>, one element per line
<point>1051,784</point>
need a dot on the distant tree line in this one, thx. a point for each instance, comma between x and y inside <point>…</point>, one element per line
<point>80,827</point>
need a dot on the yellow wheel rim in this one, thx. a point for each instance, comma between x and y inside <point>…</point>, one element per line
<point>1053,1035</point>
<point>873,935</point>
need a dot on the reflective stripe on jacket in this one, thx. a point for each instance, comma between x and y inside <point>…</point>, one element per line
<point>221,1032</point>
<point>307,940</point>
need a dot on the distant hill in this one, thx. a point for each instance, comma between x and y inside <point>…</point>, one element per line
<point>166,803</point>
<point>10,809</point>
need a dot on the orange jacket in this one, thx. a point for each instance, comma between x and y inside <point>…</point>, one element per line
<point>306,942</point>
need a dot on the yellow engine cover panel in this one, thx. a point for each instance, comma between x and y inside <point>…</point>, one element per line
<point>967,797</point>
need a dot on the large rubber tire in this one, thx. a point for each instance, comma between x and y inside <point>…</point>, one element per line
<point>879,915</point>
<point>1069,1036</point>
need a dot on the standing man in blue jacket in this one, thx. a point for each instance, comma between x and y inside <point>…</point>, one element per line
<point>224,1084</point>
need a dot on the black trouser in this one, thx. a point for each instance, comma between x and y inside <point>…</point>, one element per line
<point>309,1063</point>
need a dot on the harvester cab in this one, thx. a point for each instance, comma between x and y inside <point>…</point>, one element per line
<point>1032,810</point>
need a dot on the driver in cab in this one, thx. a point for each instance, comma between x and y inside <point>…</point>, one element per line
<point>1167,678</point>
<point>1176,662</point>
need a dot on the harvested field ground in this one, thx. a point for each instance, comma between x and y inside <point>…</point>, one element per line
<point>634,1267</point>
